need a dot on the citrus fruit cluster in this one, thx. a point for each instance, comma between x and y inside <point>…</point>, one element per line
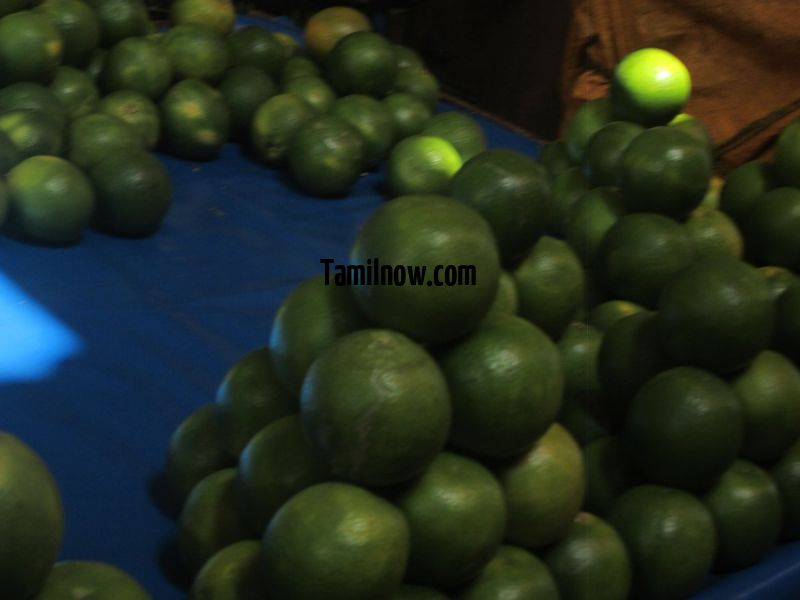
<point>32,529</point>
<point>353,100</point>
<point>610,409</point>
<point>75,133</point>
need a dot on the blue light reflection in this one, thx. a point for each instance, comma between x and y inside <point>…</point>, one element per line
<point>32,341</point>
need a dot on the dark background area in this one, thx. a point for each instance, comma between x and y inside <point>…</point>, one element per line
<point>502,57</point>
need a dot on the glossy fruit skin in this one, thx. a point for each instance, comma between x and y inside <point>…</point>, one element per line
<point>771,228</point>
<point>249,398</point>
<point>511,191</point>
<point>650,86</point>
<point>697,308</point>
<point>219,15</point>
<point>665,171</point>
<point>589,220</point>
<point>744,186</point>
<point>195,120</point>
<point>31,519</point>
<point>746,507</point>
<point>325,28</point>
<point>459,129</point>
<point>361,550</point>
<point>590,561</point>
<point>233,573</point>
<point>138,111</point>
<point>274,124</point>
<point>362,63</point>
<point>71,578</point>
<point>516,364</point>
<point>138,64</point>
<point>544,489</point>
<point>457,519</point>
<point>93,136</point>
<point>422,164</point>
<point>640,254</point>
<point>311,317</point>
<point>670,538</point>
<point>51,200</point>
<point>79,28</point>
<point>604,151</point>
<point>326,156</point>
<point>586,121</point>
<point>209,520</point>
<point>769,394</point>
<point>31,48</point>
<point>372,120</point>
<point>276,464</point>
<point>257,47</point>
<point>428,230</point>
<point>512,573</point>
<point>195,451</point>
<point>196,52</point>
<point>402,427</point>
<point>76,91</point>
<point>133,193</point>
<point>631,353</point>
<point>550,282</point>
<point>684,428</point>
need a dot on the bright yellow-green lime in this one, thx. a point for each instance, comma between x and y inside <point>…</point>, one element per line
<point>650,86</point>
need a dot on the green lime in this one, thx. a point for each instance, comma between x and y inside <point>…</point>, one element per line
<point>195,451</point>
<point>670,538</point>
<point>276,464</point>
<point>233,573</point>
<point>362,62</point>
<point>249,398</point>
<point>361,545</point>
<point>640,254</point>
<point>435,234</point>
<point>138,111</point>
<point>663,170</point>
<point>550,282</point>
<point>602,156</point>
<point>716,314</point>
<point>590,561</point>
<point>513,362</point>
<point>310,318</point>
<point>326,156</point>
<point>372,120</point>
<point>650,86</point>
<point>512,193</point>
<point>403,425</point>
<point>459,129</point>
<point>684,428</point>
<point>51,200</point>
<point>590,219</point>
<point>456,516</point>
<point>544,489</point>
<point>746,507</point>
<point>422,164</point>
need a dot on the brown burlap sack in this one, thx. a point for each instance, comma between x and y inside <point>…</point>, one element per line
<point>744,57</point>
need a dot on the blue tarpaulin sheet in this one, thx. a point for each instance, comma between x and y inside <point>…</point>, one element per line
<point>107,345</point>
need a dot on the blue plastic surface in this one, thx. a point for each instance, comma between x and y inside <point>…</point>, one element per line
<point>122,339</point>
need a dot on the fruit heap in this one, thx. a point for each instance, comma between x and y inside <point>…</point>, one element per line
<point>353,100</point>
<point>611,410</point>
<point>69,157</point>
<point>88,87</point>
<point>32,528</point>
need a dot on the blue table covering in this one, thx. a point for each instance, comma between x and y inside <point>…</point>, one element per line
<point>107,345</point>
